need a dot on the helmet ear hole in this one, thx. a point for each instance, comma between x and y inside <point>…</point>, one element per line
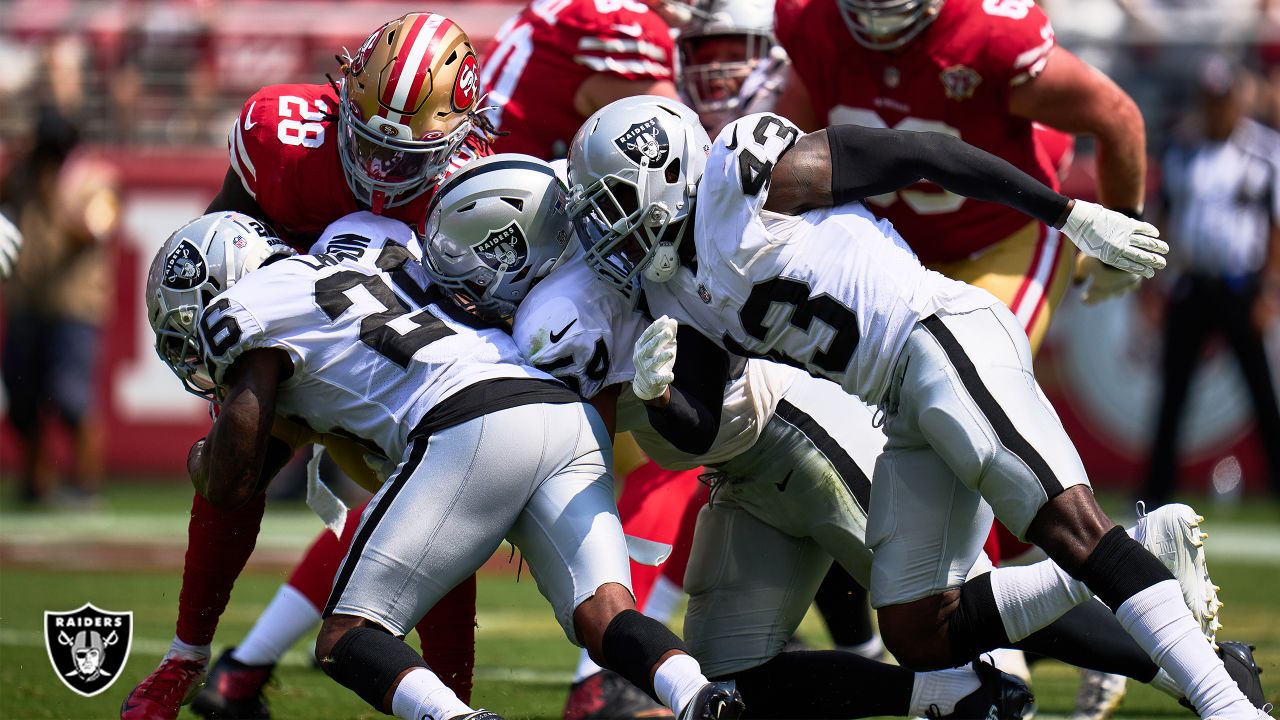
<point>516,203</point>
<point>672,172</point>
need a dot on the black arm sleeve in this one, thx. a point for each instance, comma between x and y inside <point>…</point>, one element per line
<point>691,420</point>
<point>872,161</point>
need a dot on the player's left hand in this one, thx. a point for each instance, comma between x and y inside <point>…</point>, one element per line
<point>655,359</point>
<point>1116,239</point>
<point>1103,282</point>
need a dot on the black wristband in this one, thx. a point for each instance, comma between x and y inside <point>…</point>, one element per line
<point>1134,213</point>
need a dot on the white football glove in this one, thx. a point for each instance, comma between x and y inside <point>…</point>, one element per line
<point>1115,238</point>
<point>655,359</point>
<point>10,244</point>
<point>1103,281</point>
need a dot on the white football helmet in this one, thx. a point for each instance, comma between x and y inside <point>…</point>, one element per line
<point>720,51</point>
<point>495,228</point>
<point>203,258</point>
<point>887,24</point>
<point>634,168</point>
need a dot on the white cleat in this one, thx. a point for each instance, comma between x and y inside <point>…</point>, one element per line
<point>1099,696</point>
<point>1172,533</point>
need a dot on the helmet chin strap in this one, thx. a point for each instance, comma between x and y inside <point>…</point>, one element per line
<point>663,265</point>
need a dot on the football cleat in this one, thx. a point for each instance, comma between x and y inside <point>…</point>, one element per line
<point>480,714</point>
<point>1000,697</point>
<point>166,689</point>
<point>233,691</point>
<point>1099,696</point>
<point>1172,533</point>
<point>715,701</point>
<point>1237,657</point>
<point>607,694</point>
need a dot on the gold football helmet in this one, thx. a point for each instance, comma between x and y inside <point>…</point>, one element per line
<point>408,98</point>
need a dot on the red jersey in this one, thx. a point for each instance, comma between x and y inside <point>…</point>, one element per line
<point>955,77</point>
<point>541,56</point>
<point>284,148</point>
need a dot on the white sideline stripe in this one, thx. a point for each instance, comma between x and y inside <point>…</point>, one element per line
<point>1248,543</point>
<point>298,658</point>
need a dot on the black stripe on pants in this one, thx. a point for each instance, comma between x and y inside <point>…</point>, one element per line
<point>852,475</point>
<point>987,405</point>
<point>416,452</point>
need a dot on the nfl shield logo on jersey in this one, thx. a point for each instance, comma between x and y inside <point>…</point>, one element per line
<point>504,249</point>
<point>88,647</point>
<point>185,267</point>
<point>645,143</point>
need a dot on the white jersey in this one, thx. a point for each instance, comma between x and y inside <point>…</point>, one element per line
<point>834,291</point>
<point>361,237</point>
<point>373,352</point>
<point>583,332</point>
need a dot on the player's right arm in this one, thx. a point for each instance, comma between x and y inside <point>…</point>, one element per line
<point>232,197</point>
<point>629,53</point>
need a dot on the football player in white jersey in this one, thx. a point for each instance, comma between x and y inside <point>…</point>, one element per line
<point>946,364</point>
<point>789,457</point>
<point>358,343</point>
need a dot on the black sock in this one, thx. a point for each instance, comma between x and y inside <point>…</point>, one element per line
<point>1089,636</point>
<point>1119,568</point>
<point>824,684</point>
<point>368,660</point>
<point>975,626</point>
<point>633,643</point>
<point>843,604</point>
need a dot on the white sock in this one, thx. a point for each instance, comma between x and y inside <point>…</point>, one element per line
<point>421,696</point>
<point>872,649</point>
<point>941,689</point>
<point>677,681</point>
<point>662,599</point>
<point>184,651</point>
<point>1166,685</point>
<point>1158,619</point>
<point>1031,597</point>
<point>287,618</point>
<point>586,667</point>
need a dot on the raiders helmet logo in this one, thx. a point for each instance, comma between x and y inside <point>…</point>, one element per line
<point>504,250</point>
<point>645,143</point>
<point>185,268</point>
<point>959,82</point>
<point>88,647</point>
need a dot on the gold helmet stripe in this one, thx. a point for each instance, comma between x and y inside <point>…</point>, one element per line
<point>408,78</point>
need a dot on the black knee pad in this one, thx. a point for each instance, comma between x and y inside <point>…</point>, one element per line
<point>975,627</point>
<point>1119,568</point>
<point>367,661</point>
<point>633,643</point>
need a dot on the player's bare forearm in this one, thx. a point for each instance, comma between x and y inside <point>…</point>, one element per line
<point>235,456</point>
<point>1073,97</point>
<point>232,197</point>
<point>859,162</point>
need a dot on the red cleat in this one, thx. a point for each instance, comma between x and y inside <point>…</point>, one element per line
<point>607,695</point>
<point>166,689</point>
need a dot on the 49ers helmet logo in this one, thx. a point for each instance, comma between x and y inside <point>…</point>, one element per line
<point>467,86</point>
<point>88,647</point>
<point>645,143</point>
<point>504,250</point>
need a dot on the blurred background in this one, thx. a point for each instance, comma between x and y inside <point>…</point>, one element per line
<point>113,120</point>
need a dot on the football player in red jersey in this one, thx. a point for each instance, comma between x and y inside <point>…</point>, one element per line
<point>558,61</point>
<point>987,71</point>
<point>301,156</point>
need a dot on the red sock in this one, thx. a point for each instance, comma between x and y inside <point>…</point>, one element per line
<point>219,543</point>
<point>448,637</point>
<point>313,577</point>
<point>652,506</point>
<point>447,633</point>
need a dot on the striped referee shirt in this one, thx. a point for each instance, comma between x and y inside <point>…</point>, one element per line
<point>1223,198</point>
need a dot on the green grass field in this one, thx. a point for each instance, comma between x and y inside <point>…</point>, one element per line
<point>523,661</point>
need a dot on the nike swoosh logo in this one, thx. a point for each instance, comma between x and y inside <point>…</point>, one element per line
<point>248,115</point>
<point>634,29</point>
<point>782,486</point>
<point>557,337</point>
